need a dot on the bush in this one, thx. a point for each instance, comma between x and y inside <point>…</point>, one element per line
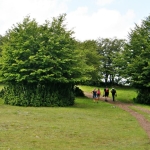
<point>143,97</point>
<point>39,95</point>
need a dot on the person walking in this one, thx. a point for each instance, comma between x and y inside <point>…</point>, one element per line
<point>98,93</point>
<point>114,93</point>
<point>106,93</point>
<point>94,94</point>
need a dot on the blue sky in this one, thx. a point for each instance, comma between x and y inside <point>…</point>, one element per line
<point>89,19</point>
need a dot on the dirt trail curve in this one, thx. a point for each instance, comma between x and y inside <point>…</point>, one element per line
<point>145,124</point>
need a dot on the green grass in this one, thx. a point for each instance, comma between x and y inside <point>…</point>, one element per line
<point>84,126</point>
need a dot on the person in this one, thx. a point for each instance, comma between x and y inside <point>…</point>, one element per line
<point>94,94</point>
<point>98,93</point>
<point>106,93</point>
<point>114,93</point>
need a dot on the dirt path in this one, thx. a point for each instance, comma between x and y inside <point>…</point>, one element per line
<point>144,123</point>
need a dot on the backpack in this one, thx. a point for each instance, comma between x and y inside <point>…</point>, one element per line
<point>113,91</point>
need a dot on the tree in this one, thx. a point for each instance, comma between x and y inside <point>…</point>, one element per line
<point>108,50</point>
<point>137,54</point>
<point>41,64</point>
<point>89,49</point>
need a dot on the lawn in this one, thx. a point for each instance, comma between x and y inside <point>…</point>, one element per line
<point>84,126</point>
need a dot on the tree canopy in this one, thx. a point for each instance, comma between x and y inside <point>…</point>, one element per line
<point>109,50</point>
<point>42,57</point>
<point>137,54</point>
<point>92,57</point>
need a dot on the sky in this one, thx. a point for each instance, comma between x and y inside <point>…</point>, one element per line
<point>89,19</point>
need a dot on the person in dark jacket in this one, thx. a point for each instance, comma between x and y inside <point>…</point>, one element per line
<point>94,94</point>
<point>106,93</point>
<point>114,93</point>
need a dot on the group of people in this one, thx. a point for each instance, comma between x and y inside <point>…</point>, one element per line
<point>97,94</point>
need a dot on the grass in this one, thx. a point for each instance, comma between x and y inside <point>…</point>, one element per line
<point>84,126</point>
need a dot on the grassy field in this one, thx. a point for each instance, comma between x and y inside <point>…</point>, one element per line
<point>84,126</point>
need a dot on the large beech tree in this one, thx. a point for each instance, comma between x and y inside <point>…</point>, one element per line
<point>137,58</point>
<point>40,64</point>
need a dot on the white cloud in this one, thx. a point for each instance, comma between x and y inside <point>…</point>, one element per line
<point>103,23</point>
<point>15,10</point>
<point>104,2</point>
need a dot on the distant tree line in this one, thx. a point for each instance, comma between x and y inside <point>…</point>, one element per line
<point>41,64</point>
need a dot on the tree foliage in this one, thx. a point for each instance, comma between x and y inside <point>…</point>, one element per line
<point>137,54</point>
<point>109,50</point>
<point>40,64</point>
<point>92,57</point>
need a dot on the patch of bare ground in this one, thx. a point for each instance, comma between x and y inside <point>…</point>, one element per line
<point>144,123</point>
